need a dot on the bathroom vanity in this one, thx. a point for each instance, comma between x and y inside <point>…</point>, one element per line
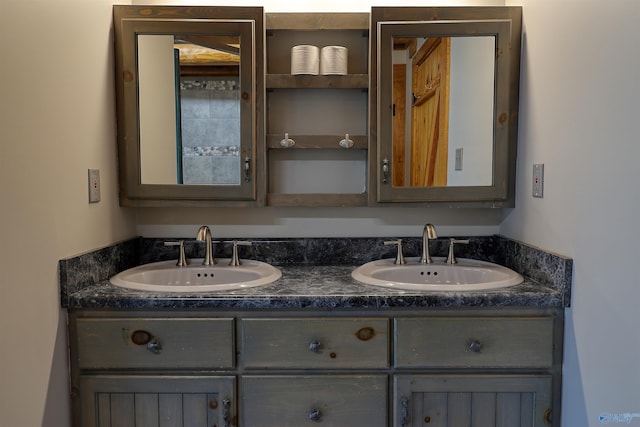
<point>317,346</point>
<point>353,367</point>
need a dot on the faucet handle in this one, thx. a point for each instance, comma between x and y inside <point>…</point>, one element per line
<point>235,260</point>
<point>451,258</point>
<point>399,256</point>
<point>182,259</point>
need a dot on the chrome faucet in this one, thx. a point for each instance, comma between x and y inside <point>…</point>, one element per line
<point>428,233</point>
<point>204,234</point>
<point>399,256</point>
<point>451,258</point>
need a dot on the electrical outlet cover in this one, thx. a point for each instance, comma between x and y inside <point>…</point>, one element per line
<point>538,180</point>
<point>94,185</point>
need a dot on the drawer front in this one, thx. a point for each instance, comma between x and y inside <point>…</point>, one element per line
<point>315,343</point>
<point>155,343</point>
<point>474,342</point>
<point>296,401</point>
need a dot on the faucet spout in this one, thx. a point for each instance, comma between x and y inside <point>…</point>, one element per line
<point>204,234</point>
<point>428,233</point>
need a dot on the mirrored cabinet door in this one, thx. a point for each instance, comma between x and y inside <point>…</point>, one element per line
<point>443,112</point>
<point>189,83</point>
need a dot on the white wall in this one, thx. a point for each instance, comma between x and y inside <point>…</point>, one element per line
<point>157,88</point>
<point>57,120</point>
<point>579,115</point>
<point>471,110</point>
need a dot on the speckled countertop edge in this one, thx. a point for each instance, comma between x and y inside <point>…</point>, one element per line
<point>324,287</point>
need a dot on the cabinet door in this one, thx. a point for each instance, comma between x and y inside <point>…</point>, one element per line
<point>472,400</point>
<point>153,401</point>
<point>332,401</point>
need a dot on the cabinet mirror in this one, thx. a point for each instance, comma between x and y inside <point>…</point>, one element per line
<point>189,79</point>
<point>446,104</point>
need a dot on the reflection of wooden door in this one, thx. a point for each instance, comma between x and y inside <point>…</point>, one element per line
<point>399,122</point>
<point>430,113</point>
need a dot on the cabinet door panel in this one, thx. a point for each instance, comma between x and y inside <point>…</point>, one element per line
<point>171,401</point>
<point>147,409</point>
<point>472,400</point>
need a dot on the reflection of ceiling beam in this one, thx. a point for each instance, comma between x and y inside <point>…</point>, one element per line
<point>192,54</point>
<point>403,43</point>
<point>229,44</point>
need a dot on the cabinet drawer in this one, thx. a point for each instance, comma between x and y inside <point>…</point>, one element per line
<point>155,343</point>
<point>338,400</point>
<point>474,342</point>
<point>315,343</point>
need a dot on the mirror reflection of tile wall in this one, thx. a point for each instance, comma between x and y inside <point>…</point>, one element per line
<point>210,114</point>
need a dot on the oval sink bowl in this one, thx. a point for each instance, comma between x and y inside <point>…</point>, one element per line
<point>165,276</point>
<point>466,275</point>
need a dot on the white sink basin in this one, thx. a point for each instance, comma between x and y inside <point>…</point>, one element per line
<point>467,275</point>
<point>165,276</point>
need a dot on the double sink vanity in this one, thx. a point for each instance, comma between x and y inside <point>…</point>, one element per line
<point>314,345</point>
<point>411,331</point>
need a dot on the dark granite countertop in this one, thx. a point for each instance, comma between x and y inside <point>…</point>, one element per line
<point>305,286</point>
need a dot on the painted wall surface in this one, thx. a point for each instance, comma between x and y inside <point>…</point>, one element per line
<point>156,89</point>
<point>579,116</point>
<point>57,119</point>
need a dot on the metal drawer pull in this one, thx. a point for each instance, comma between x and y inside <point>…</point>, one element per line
<point>315,415</point>
<point>315,346</point>
<point>154,346</point>
<point>475,346</point>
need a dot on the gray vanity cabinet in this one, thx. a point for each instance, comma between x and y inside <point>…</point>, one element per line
<point>477,367</point>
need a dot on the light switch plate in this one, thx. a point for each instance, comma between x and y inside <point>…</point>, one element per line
<point>538,180</point>
<point>94,185</point>
<point>458,165</point>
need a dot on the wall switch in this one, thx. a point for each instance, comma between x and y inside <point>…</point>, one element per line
<point>538,180</point>
<point>94,185</point>
<point>458,159</point>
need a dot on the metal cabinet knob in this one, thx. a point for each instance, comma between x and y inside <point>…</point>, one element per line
<point>315,346</point>
<point>475,346</point>
<point>315,415</point>
<point>154,346</point>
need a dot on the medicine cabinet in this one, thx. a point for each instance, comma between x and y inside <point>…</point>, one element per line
<point>444,109</point>
<point>211,113</point>
<point>189,86</point>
